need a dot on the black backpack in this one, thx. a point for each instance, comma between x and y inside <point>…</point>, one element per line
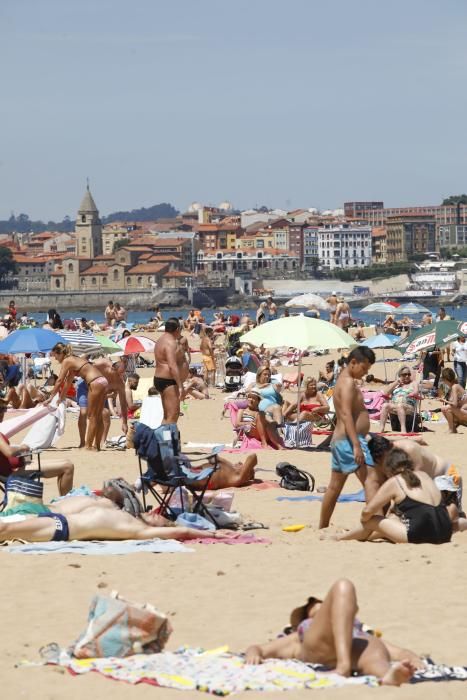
<point>294,479</point>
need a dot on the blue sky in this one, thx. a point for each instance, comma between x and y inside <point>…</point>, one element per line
<point>288,103</point>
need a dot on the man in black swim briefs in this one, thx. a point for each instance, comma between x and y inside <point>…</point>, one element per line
<point>171,370</point>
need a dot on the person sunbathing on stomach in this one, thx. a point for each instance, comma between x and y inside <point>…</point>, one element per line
<point>328,633</point>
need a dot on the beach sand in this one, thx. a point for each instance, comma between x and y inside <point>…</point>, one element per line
<point>236,595</point>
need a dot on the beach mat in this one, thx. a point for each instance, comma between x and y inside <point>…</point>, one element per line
<point>357,497</point>
<point>221,673</point>
<point>99,547</point>
<point>235,538</point>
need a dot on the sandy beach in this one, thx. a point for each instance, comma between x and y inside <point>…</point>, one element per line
<point>236,595</point>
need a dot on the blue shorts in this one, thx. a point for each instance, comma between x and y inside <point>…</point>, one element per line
<point>62,532</point>
<point>82,394</point>
<point>342,455</point>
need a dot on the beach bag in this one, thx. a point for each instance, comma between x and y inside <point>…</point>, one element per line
<point>20,489</point>
<point>117,627</point>
<point>297,436</point>
<point>396,426</point>
<point>124,495</point>
<point>294,479</point>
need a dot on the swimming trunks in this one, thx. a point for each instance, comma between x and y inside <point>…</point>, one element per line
<point>343,460</point>
<point>425,523</point>
<point>62,531</point>
<point>161,383</point>
<point>82,394</point>
<point>208,363</point>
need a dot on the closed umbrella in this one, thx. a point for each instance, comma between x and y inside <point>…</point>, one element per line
<point>299,332</point>
<point>381,341</point>
<point>434,335</point>
<point>133,344</point>
<point>309,301</point>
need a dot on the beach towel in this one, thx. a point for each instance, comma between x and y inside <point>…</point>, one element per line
<point>234,538</point>
<point>100,548</point>
<point>221,673</point>
<point>357,497</point>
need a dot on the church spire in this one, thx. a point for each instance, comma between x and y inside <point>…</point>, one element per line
<point>88,205</point>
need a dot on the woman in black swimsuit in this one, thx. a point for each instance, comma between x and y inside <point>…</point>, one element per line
<point>71,367</point>
<point>418,515</point>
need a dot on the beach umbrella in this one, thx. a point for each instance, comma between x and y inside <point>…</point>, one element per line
<point>299,332</point>
<point>379,307</point>
<point>133,344</point>
<point>108,345</point>
<point>412,308</point>
<point>30,340</point>
<point>381,341</point>
<point>82,342</point>
<point>434,335</point>
<point>309,301</point>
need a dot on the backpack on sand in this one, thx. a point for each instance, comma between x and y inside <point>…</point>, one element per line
<point>294,479</point>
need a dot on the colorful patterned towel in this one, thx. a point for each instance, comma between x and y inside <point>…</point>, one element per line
<point>219,672</point>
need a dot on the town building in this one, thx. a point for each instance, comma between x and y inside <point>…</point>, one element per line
<point>416,233</point>
<point>379,245</point>
<point>344,246</point>
<point>452,236</point>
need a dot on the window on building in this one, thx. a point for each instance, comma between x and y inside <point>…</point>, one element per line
<point>104,280</point>
<point>83,281</point>
<point>128,280</point>
<point>93,281</point>
<point>115,275</point>
<point>83,218</point>
<point>140,281</point>
<point>70,267</point>
<point>57,283</point>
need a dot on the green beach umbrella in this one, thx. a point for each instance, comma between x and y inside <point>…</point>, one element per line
<point>437,334</point>
<point>108,345</point>
<point>299,332</point>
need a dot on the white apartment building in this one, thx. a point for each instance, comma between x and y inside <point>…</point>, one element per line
<point>344,246</point>
<point>310,247</point>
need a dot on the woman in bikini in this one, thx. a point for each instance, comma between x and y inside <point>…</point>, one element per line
<point>455,409</point>
<point>71,367</point>
<point>313,405</point>
<point>418,515</point>
<point>327,632</point>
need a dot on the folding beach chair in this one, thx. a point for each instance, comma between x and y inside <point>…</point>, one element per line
<point>174,472</point>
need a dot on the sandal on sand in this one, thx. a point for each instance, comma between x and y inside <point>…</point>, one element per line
<point>254,526</point>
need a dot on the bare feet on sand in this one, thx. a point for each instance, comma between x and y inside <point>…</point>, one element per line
<point>400,672</point>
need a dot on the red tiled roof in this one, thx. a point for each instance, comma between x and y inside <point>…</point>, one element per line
<point>96,270</point>
<point>164,257</point>
<point>146,269</point>
<point>177,273</point>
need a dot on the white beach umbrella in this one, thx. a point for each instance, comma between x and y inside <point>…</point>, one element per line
<point>309,301</point>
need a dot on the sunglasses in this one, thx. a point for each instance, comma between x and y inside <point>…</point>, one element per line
<point>406,374</point>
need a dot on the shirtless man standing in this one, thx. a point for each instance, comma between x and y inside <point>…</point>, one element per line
<point>207,352</point>
<point>350,453</point>
<point>171,370</point>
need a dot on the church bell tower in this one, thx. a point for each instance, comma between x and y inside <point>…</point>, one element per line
<point>88,228</point>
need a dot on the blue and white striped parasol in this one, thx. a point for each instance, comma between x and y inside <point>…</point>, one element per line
<point>82,342</point>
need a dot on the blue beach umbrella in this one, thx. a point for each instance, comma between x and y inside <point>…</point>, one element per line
<point>382,340</point>
<point>30,340</point>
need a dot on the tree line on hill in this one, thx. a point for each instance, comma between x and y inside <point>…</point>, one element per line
<point>23,224</point>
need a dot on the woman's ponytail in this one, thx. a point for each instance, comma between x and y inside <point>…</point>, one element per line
<point>399,462</point>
